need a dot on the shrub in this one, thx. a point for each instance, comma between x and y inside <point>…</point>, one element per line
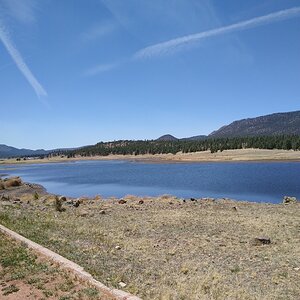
<point>14,181</point>
<point>2,186</point>
<point>58,204</point>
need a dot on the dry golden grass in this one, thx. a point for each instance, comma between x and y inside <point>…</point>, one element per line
<point>203,156</point>
<point>165,248</point>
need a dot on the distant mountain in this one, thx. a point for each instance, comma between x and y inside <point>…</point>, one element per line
<point>287,123</point>
<point>195,138</point>
<point>167,138</point>
<point>8,151</point>
<point>275,124</point>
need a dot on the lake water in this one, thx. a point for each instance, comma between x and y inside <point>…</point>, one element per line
<point>261,182</point>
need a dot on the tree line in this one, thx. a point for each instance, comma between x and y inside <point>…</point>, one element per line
<point>213,145</point>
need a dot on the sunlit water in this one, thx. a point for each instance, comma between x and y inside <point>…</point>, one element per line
<point>261,182</point>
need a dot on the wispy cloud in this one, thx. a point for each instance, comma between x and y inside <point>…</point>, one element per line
<point>98,31</point>
<point>100,69</point>
<point>22,11</point>
<point>179,43</point>
<point>19,61</point>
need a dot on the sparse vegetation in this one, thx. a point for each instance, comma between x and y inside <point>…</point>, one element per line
<point>9,290</point>
<point>28,276</point>
<point>36,196</point>
<point>58,204</point>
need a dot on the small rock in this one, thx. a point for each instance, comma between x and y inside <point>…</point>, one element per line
<point>234,208</point>
<point>261,241</point>
<point>83,213</point>
<point>62,198</point>
<point>118,247</point>
<point>76,203</point>
<point>122,201</point>
<point>141,202</point>
<point>69,202</point>
<point>102,212</point>
<point>193,199</point>
<point>4,198</point>
<point>184,271</point>
<point>122,284</point>
<point>288,200</point>
<point>297,269</point>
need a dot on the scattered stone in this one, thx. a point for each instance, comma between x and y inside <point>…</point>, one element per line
<point>193,199</point>
<point>122,201</point>
<point>122,284</point>
<point>259,241</point>
<point>184,271</point>
<point>288,200</point>
<point>118,247</point>
<point>297,269</point>
<point>183,200</point>
<point>141,202</point>
<point>102,212</point>
<point>62,198</point>
<point>83,213</point>
<point>234,208</point>
<point>76,203</point>
<point>4,198</point>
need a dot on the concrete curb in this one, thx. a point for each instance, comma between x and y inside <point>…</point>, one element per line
<point>75,269</point>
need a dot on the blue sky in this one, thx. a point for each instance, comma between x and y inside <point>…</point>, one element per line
<point>78,72</point>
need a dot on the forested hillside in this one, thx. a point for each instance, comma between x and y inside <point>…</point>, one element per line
<point>213,145</point>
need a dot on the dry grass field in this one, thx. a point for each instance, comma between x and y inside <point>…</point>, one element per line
<point>167,248</point>
<point>204,156</point>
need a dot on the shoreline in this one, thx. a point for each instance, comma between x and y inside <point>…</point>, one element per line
<point>240,155</point>
<point>31,188</point>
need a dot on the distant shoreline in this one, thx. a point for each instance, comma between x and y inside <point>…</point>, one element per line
<point>240,155</point>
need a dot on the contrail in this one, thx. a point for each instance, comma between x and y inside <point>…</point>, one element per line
<point>174,44</point>
<point>17,58</point>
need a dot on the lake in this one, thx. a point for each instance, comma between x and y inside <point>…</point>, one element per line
<point>254,181</point>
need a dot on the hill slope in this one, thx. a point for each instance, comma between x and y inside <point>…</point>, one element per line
<point>167,137</point>
<point>275,124</point>
<point>8,151</point>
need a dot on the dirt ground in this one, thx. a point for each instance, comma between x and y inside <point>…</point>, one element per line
<point>24,275</point>
<point>168,248</point>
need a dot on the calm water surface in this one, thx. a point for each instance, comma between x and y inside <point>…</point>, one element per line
<point>261,182</point>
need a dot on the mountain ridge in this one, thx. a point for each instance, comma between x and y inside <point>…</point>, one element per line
<point>283,123</point>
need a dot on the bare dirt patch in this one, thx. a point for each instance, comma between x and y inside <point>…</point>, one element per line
<point>24,275</point>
